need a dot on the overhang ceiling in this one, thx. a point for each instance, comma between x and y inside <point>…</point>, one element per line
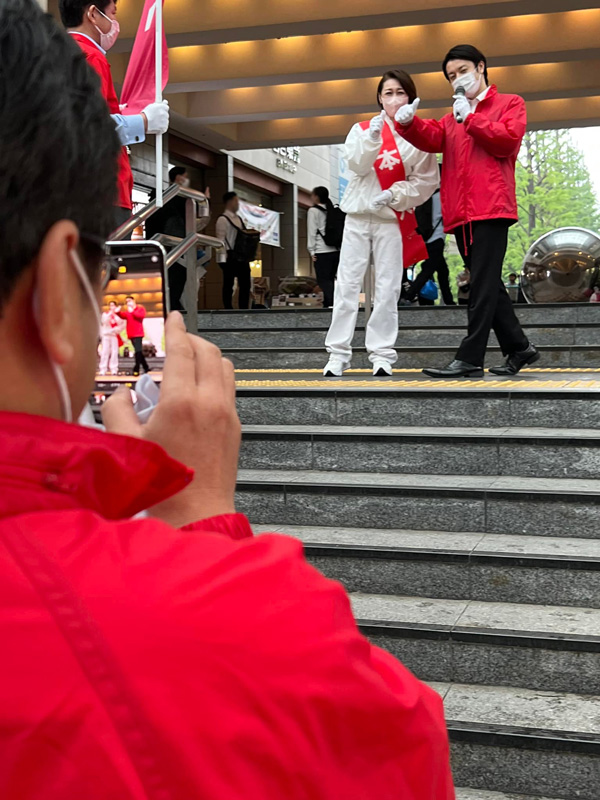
<point>263,73</point>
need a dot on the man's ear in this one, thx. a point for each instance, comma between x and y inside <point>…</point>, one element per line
<point>56,288</point>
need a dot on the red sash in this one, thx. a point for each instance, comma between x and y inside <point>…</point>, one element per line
<point>390,170</point>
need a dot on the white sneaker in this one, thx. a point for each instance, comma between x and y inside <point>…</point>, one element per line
<point>382,369</point>
<point>335,368</point>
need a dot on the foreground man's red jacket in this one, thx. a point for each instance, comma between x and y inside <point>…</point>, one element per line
<point>143,662</point>
<point>478,179</point>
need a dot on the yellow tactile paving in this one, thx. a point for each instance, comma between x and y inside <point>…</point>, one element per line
<point>420,384</point>
<point>397,370</point>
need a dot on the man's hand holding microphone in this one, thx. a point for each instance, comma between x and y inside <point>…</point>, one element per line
<point>461,108</point>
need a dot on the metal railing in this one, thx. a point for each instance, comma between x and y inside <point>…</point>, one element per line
<point>196,206</point>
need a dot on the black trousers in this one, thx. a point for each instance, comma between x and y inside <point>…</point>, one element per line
<point>482,246</point>
<point>233,269</point>
<point>120,217</point>
<point>140,361</point>
<point>436,263</point>
<point>326,267</point>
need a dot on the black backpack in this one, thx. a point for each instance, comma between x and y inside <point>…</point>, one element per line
<point>334,226</point>
<point>424,215</point>
<point>246,243</point>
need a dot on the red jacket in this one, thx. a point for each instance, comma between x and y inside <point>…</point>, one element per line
<point>478,179</point>
<point>99,62</point>
<point>135,321</point>
<point>141,662</point>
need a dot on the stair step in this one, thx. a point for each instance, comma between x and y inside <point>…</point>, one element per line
<point>552,648</point>
<point>524,742</point>
<point>515,406</point>
<point>444,316</point>
<point>528,452</point>
<point>571,356</point>
<point>562,335</point>
<point>458,565</point>
<point>480,794</point>
<point>530,506</point>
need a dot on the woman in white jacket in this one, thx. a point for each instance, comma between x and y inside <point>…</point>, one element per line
<point>112,326</point>
<point>389,179</point>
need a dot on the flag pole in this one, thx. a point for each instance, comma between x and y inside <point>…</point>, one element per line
<point>159,96</point>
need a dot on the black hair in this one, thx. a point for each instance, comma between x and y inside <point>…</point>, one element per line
<point>130,297</point>
<point>512,274</point>
<point>72,11</point>
<point>466,52</point>
<point>175,172</point>
<point>403,79</point>
<point>323,194</point>
<point>58,145</point>
<point>229,196</point>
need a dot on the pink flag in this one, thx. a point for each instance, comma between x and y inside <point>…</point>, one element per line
<point>139,86</point>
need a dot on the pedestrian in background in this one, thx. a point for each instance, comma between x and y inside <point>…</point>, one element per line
<point>326,257</point>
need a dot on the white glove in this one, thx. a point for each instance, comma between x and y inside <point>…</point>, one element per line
<point>376,126</point>
<point>461,108</point>
<point>157,116</point>
<point>381,200</point>
<point>406,114</point>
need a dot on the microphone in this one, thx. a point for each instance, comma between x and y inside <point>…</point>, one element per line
<point>460,91</point>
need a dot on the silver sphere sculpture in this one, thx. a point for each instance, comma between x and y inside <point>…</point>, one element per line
<point>563,266</point>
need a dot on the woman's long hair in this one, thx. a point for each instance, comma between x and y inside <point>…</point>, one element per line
<point>323,194</point>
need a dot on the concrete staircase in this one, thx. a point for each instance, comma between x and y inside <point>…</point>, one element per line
<point>465,523</point>
<point>567,335</point>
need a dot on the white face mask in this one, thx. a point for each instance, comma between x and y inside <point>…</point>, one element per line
<point>107,40</point>
<point>59,375</point>
<point>186,183</point>
<point>470,82</point>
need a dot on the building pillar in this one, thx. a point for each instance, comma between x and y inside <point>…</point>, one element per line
<point>286,259</point>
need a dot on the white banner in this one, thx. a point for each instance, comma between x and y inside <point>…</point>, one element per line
<point>263,220</point>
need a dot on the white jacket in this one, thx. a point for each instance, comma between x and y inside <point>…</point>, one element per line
<point>422,175</point>
<point>315,224</point>
<point>112,324</point>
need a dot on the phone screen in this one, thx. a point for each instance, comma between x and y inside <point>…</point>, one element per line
<point>134,308</point>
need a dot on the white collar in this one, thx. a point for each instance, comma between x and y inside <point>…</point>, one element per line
<point>85,36</point>
<point>481,96</point>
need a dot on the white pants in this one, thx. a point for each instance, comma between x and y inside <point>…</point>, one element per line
<point>365,234</point>
<point>109,358</point>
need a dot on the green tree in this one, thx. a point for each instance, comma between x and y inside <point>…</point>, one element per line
<point>554,189</point>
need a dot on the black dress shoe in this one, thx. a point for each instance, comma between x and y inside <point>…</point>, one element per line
<point>517,361</point>
<point>456,369</point>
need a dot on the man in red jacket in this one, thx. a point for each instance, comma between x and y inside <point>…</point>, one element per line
<point>480,142</point>
<point>135,316</point>
<point>175,656</point>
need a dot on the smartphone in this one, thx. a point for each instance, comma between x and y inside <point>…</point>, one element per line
<point>134,309</point>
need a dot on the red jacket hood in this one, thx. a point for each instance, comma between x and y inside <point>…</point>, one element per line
<point>46,464</point>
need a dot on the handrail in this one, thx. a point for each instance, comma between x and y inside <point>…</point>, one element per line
<point>181,246</point>
<point>127,228</point>
<point>195,202</point>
